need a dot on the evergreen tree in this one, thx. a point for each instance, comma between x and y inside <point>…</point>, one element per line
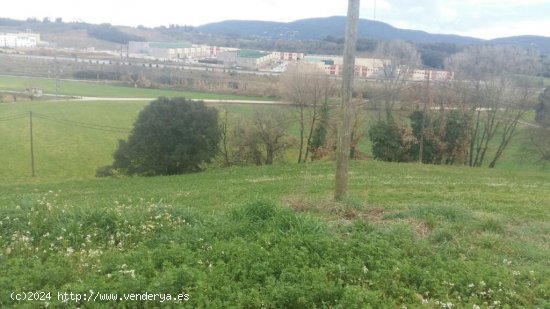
<point>170,136</point>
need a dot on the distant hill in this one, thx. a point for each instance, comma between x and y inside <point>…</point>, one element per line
<point>321,28</point>
<point>527,41</point>
<point>329,30</point>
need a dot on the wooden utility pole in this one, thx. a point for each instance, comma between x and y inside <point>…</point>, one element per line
<point>344,134</point>
<point>32,144</point>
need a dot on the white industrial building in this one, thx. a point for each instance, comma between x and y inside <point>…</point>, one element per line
<point>288,56</point>
<point>431,75</point>
<point>374,68</point>
<point>19,40</point>
<point>248,59</point>
<point>173,50</point>
<point>168,50</point>
<point>364,67</point>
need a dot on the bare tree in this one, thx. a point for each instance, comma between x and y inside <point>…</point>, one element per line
<point>540,135</point>
<point>259,140</point>
<point>518,99</point>
<point>307,87</point>
<point>400,58</point>
<point>499,93</point>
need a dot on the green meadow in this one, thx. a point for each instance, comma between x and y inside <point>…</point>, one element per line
<point>72,139</point>
<point>409,235</point>
<point>97,89</point>
<point>62,150</point>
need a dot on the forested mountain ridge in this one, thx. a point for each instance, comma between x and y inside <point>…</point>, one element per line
<point>334,27</point>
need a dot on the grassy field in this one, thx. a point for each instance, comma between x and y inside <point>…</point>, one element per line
<point>72,150</point>
<point>62,150</point>
<point>90,89</point>
<point>414,235</point>
<point>261,237</point>
<point>66,150</point>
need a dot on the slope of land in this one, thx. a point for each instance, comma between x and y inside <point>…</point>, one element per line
<point>271,236</point>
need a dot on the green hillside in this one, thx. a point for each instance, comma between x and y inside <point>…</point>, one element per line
<point>272,237</point>
<point>63,150</point>
<point>409,235</point>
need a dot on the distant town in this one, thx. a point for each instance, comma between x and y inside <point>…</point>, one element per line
<point>266,62</point>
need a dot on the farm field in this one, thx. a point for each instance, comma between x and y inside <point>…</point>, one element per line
<point>420,236</point>
<point>73,138</point>
<point>93,89</point>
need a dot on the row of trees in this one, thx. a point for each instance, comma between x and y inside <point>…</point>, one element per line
<point>458,121</point>
<point>177,136</point>
<point>469,121</point>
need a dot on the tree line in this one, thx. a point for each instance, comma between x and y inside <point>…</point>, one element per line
<point>470,120</point>
<point>459,121</point>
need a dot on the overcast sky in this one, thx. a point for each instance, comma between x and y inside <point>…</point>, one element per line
<point>478,18</point>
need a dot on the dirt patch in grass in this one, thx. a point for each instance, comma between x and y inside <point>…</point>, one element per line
<point>341,210</point>
<point>420,227</point>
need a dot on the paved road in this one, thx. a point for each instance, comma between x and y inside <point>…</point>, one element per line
<point>85,99</point>
<point>205,100</point>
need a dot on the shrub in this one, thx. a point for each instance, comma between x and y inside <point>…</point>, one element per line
<point>170,136</point>
<point>390,142</point>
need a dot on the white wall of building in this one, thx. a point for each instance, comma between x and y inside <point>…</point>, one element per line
<point>19,40</point>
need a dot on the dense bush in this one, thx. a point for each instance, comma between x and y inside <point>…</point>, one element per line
<point>170,136</point>
<point>390,141</point>
<point>445,138</point>
<point>97,75</point>
<point>423,124</point>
